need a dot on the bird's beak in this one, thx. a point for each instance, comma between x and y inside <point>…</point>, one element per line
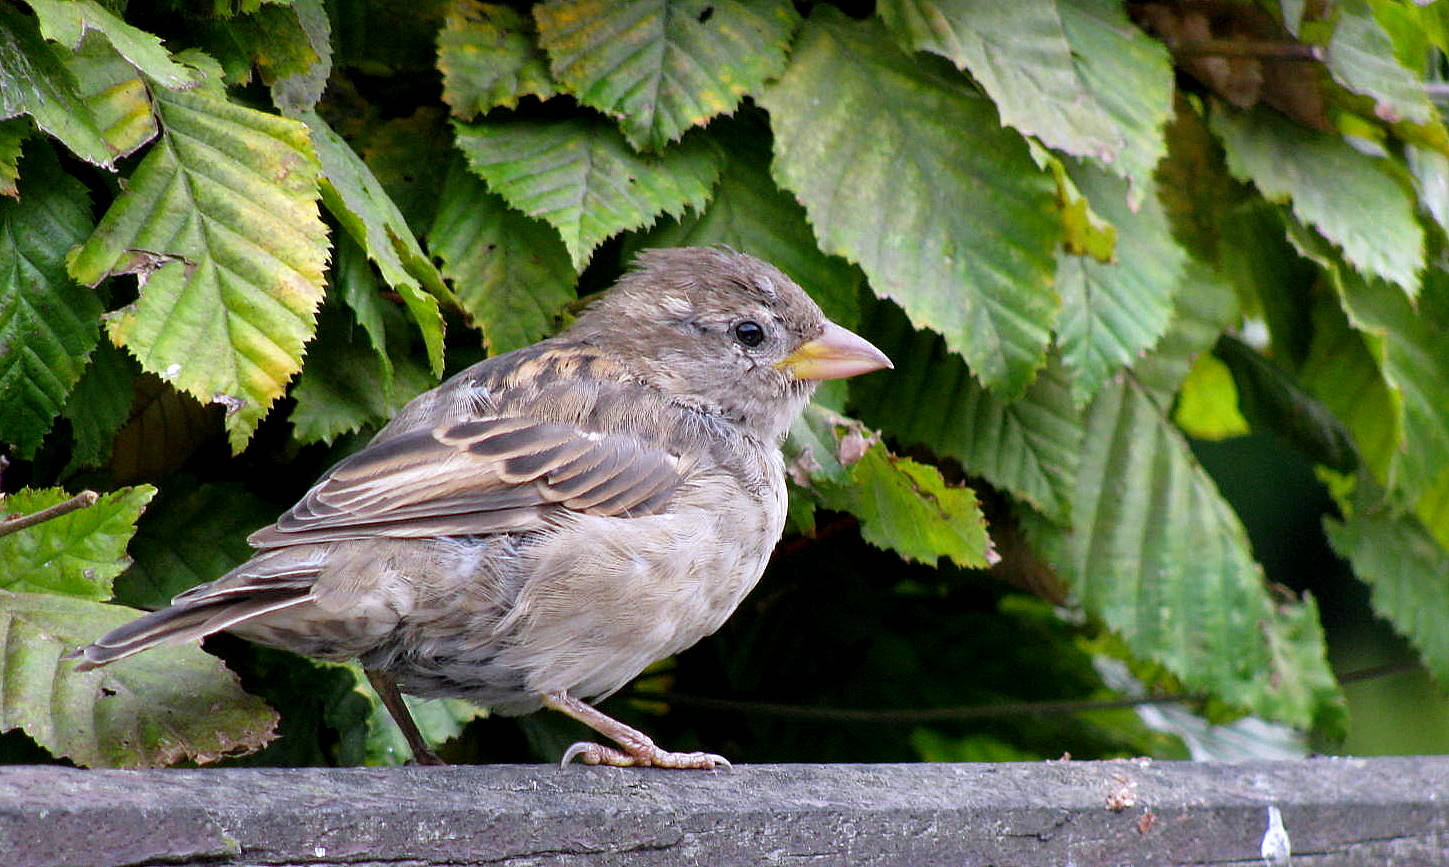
<point>835,354</point>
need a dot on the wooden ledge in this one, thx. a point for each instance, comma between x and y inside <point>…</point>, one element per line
<point>1384,811</point>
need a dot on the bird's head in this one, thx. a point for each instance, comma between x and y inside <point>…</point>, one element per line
<point>725,332</point>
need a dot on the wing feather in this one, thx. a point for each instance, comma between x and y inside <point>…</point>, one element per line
<point>481,476</point>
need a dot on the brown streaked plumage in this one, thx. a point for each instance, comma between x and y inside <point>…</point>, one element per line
<point>542,526</point>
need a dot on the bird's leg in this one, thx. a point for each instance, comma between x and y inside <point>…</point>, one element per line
<point>386,689</point>
<point>638,750</point>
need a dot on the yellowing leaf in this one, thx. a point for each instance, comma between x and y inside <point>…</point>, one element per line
<point>220,223</point>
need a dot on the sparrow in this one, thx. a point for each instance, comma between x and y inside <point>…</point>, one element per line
<point>542,526</point>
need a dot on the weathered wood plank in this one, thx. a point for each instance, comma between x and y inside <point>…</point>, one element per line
<point>1390,811</point>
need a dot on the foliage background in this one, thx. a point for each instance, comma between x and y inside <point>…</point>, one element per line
<point>1165,285</point>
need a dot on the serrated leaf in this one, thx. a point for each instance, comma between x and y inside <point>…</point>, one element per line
<point>13,133</point>
<point>68,21</point>
<point>512,273</point>
<point>1361,58</point>
<point>752,215</point>
<point>339,391</point>
<point>354,196</point>
<point>220,219</point>
<point>1156,552</point>
<point>581,177</point>
<point>1274,283</point>
<point>384,39</point>
<point>354,281</point>
<point>1113,312</point>
<point>115,94</point>
<point>33,81</point>
<point>1341,371</point>
<point>48,324</point>
<point>1409,576</point>
<point>1028,446</point>
<point>193,533</point>
<point>98,406</point>
<point>272,38</point>
<point>300,91</point>
<point>1078,76</point>
<point>77,554</point>
<point>662,66</point>
<point>167,705</point>
<point>1019,53</point>
<point>1131,74</point>
<point>1206,305</point>
<point>1365,210</point>
<point>908,508</point>
<point>1271,400</point>
<point>1409,347</point>
<point>903,506</point>
<point>895,160</point>
<point>489,57</point>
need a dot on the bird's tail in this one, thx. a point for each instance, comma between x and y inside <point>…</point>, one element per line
<point>251,591</point>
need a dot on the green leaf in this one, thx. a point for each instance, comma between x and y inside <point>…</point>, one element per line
<point>355,282</point>
<point>1078,76</point>
<point>1271,400</point>
<point>354,196</point>
<point>1156,552</point>
<point>167,705</point>
<point>1341,371</point>
<point>1415,362</point>
<point>77,554</point>
<point>300,91</point>
<point>903,506</point>
<point>908,508</point>
<point>895,160</point>
<point>115,94</point>
<point>1131,74</point>
<point>750,214</point>
<point>410,156</point>
<point>339,392</point>
<point>1361,58</point>
<point>164,428</point>
<point>193,533</point>
<point>33,81</point>
<point>1114,312</point>
<point>511,272</point>
<point>67,22</point>
<point>662,66</point>
<point>1205,306</point>
<point>1364,210</point>
<point>13,134</point>
<point>1207,404</point>
<point>272,38</point>
<point>1408,573</point>
<point>489,57</point>
<point>580,176</point>
<point>1028,446</point>
<point>1411,351</point>
<point>99,404</point>
<point>47,322</point>
<point>220,222</point>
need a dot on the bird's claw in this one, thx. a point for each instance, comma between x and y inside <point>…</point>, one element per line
<point>641,757</point>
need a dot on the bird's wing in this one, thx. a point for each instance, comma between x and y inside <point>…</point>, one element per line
<point>484,476</point>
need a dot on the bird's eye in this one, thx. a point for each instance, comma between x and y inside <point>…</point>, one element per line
<point>749,333</point>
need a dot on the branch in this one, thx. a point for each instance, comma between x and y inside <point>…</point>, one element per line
<point>79,501</point>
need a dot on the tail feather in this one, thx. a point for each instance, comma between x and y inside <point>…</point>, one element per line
<point>185,622</point>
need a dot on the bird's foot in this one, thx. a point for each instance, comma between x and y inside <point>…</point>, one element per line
<point>641,756</point>
<point>635,749</point>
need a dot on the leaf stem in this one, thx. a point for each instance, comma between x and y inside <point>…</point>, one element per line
<point>20,522</point>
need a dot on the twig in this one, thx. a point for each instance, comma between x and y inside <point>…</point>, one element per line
<point>909,717</point>
<point>79,501</point>
<point>1257,49</point>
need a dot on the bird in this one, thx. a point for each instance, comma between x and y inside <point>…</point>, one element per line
<point>546,523</point>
